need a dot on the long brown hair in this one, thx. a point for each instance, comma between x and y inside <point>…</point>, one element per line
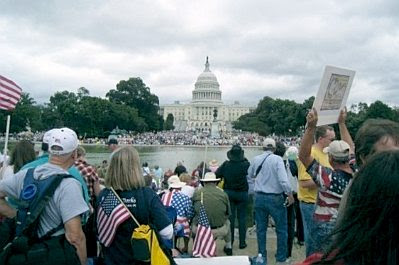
<point>124,171</point>
<point>22,154</point>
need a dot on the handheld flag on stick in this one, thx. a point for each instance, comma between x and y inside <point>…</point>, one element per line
<point>204,242</point>
<point>111,214</point>
<point>10,93</point>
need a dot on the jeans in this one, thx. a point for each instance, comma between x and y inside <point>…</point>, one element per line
<point>238,205</point>
<point>307,211</point>
<point>271,204</point>
<point>321,234</point>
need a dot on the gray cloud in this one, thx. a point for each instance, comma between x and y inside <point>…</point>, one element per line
<point>256,48</point>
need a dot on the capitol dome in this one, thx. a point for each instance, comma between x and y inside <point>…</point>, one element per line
<point>207,86</point>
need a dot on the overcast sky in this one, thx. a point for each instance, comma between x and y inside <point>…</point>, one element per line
<point>256,48</point>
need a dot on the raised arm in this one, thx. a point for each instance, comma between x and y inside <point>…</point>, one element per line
<point>307,139</point>
<point>343,130</point>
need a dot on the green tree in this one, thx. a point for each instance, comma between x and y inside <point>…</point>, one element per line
<point>62,110</point>
<point>168,125</point>
<point>136,94</point>
<point>280,116</point>
<point>381,110</point>
<point>26,113</point>
<point>83,92</point>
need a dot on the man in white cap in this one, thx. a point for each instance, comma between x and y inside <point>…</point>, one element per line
<point>60,221</point>
<point>331,182</point>
<point>217,208</point>
<point>44,158</point>
<point>272,187</point>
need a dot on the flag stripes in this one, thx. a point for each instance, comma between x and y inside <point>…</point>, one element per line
<point>10,93</point>
<point>204,242</point>
<point>110,215</point>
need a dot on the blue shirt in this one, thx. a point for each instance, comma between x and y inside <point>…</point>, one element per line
<point>72,170</point>
<point>272,178</point>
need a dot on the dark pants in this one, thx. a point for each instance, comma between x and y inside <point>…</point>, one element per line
<point>291,228</point>
<point>294,214</point>
<point>299,223</point>
<point>238,205</point>
<point>90,231</point>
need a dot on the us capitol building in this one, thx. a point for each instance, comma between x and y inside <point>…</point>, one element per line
<point>206,109</point>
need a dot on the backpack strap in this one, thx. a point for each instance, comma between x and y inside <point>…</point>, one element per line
<point>260,166</point>
<point>34,197</point>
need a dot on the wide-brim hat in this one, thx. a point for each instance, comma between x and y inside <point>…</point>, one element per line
<point>210,177</point>
<point>213,163</point>
<point>175,183</point>
<point>235,153</point>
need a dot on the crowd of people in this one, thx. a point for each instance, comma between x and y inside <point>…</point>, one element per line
<point>339,198</point>
<point>192,138</point>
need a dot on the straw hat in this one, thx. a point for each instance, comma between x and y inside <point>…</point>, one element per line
<point>213,163</point>
<point>175,183</point>
<point>210,177</point>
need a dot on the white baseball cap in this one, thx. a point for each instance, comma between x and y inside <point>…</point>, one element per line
<point>47,136</point>
<point>65,139</point>
<point>338,149</point>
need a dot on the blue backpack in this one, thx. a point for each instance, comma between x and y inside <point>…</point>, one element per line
<point>34,197</point>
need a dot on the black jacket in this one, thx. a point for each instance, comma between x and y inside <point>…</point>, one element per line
<point>234,174</point>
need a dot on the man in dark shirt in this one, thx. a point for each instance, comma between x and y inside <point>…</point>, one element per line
<point>234,174</point>
<point>180,169</point>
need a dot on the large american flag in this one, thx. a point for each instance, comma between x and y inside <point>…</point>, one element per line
<point>111,213</point>
<point>204,243</point>
<point>182,204</point>
<point>10,93</point>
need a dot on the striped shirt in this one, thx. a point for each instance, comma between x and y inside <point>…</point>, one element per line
<point>332,184</point>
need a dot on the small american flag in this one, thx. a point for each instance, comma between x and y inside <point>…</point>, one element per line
<point>10,94</point>
<point>111,213</point>
<point>204,243</point>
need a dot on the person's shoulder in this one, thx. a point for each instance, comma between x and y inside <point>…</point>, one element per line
<point>69,181</point>
<point>74,171</point>
<point>39,161</point>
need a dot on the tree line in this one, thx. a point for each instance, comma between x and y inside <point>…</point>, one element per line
<point>131,106</point>
<point>287,118</point>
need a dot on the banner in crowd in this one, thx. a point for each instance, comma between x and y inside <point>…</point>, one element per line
<point>333,94</point>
